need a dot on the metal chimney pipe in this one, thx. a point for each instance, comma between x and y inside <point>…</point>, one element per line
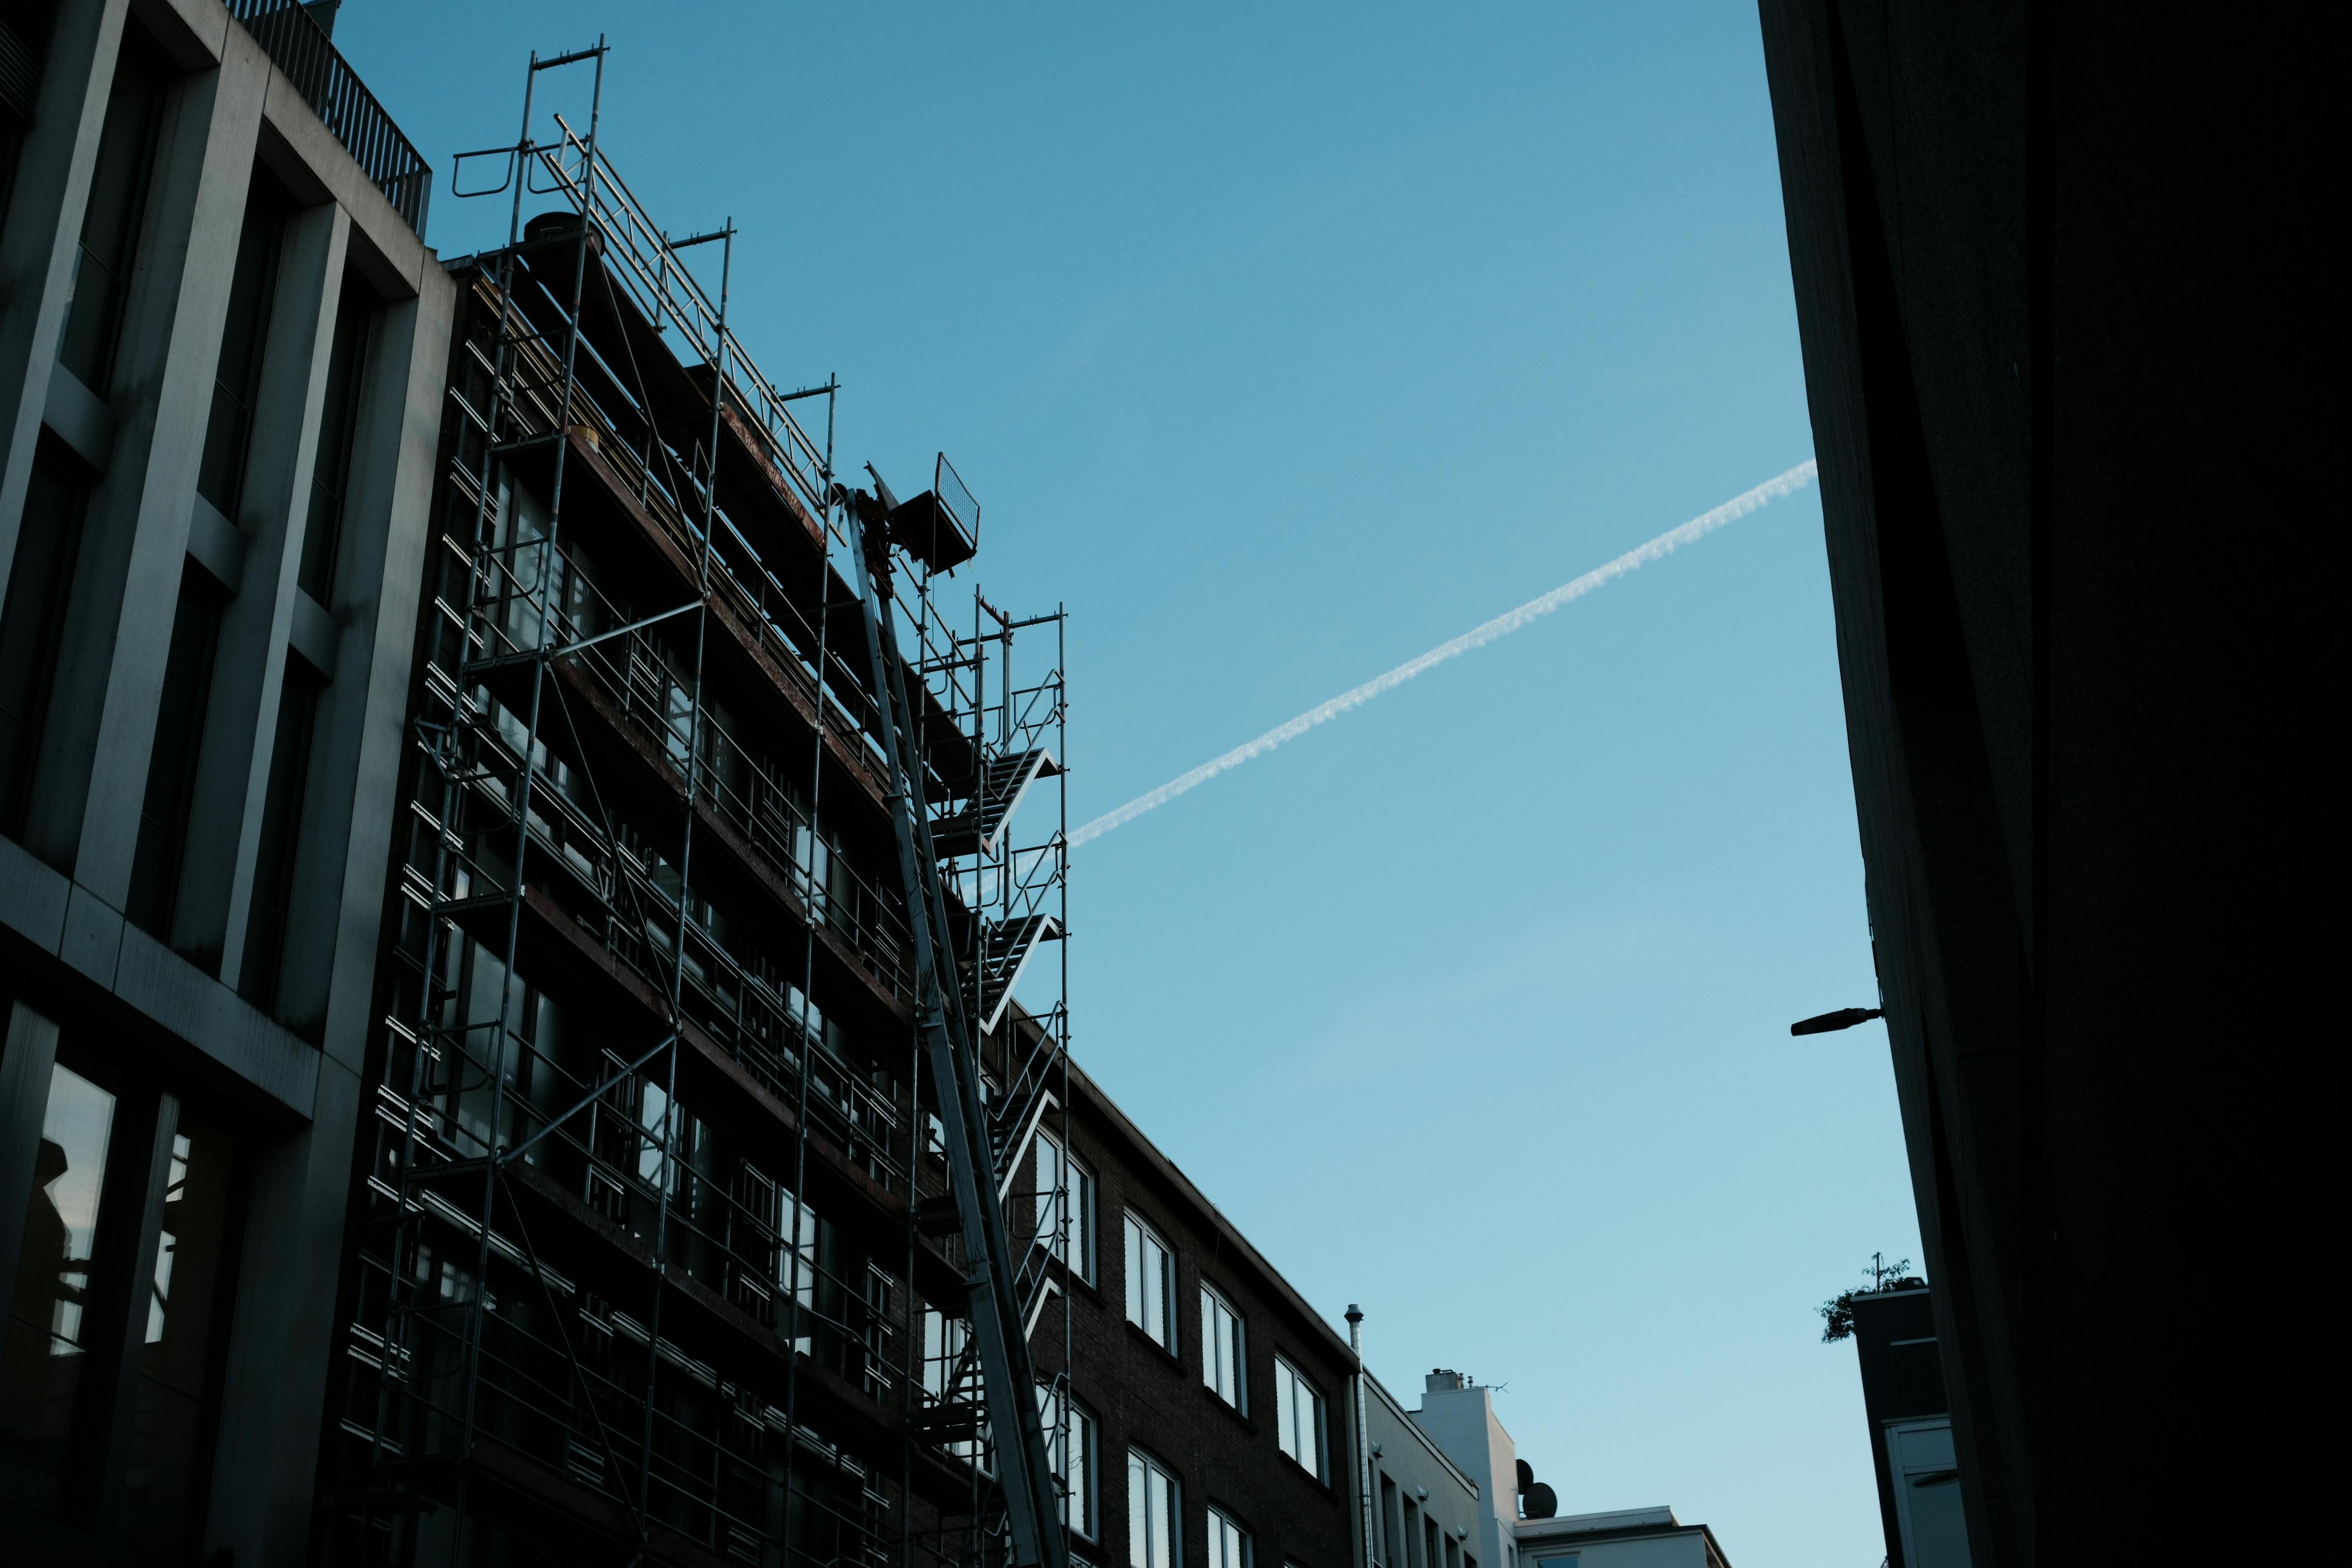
<point>1364,1443</point>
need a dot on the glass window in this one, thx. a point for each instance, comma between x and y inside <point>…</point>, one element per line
<point>1229,1543</point>
<point>236,378</point>
<point>1222,1365</point>
<point>1299,1415</point>
<point>951,1376</point>
<point>267,926</point>
<point>47,1351</point>
<point>1150,1283</point>
<point>330,471</point>
<point>163,1487</point>
<point>1153,1540</point>
<point>163,840</point>
<point>800,1237</point>
<point>110,224</point>
<point>1066,1206</point>
<point>1070,1448</point>
<point>12,148</point>
<point>33,619</point>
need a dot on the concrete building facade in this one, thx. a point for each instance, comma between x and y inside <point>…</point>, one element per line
<point>1516,1523</point>
<point>1460,1417</point>
<point>221,341</point>
<point>1626,1537</point>
<point>1424,1511</point>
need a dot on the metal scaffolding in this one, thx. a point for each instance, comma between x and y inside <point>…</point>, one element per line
<point>1004,902</point>
<point>686,1213</point>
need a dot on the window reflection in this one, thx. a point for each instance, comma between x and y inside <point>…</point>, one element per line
<point>161,1483</point>
<point>43,1362</point>
<point>1152,1533</point>
<point>1229,1543</point>
<point>1070,1451</point>
<point>1298,1410</point>
<point>1066,1206</point>
<point>1222,1359</point>
<point>1150,1283</point>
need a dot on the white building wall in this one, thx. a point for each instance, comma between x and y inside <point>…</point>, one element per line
<point>1417,1471</point>
<point>1462,1421</point>
<point>1681,1548</point>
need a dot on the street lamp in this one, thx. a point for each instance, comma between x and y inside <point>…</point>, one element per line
<point>1844,1018</point>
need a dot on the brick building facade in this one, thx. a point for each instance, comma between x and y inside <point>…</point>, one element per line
<point>1196,1361</point>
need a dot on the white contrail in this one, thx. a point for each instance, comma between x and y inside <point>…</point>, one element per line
<point>1502,625</point>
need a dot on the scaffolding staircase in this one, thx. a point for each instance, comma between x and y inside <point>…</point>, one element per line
<point>1004,780</point>
<point>1006,1294</point>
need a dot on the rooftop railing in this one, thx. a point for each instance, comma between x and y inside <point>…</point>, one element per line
<point>645,259</point>
<point>301,48</point>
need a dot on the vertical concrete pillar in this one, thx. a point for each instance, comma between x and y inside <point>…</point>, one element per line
<point>248,667</point>
<point>43,238</point>
<point>101,721</point>
<point>338,906</point>
<point>272,1404</point>
<point>28,1052</point>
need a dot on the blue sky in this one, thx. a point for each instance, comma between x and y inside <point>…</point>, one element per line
<point>1281,343</point>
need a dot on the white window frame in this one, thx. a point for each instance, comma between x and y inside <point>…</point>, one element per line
<point>1142,1244</point>
<point>1142,1472</point>
<point>1299,1417</point>
<point>944,1339</point>
<point>1076,1436</point>
<point>1224,1348</point>
<point>1065,1229</point>
<point>1229,1543</point>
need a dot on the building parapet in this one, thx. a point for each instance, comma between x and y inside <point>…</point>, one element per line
<point>301,48</point>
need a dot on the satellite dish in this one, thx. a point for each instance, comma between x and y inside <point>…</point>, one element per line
<point>1526,1475</point>
<point>1541,1501</point>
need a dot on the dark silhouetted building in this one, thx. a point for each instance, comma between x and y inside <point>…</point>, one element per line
<point>1910,1423</point>
<point>2047,266</point>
